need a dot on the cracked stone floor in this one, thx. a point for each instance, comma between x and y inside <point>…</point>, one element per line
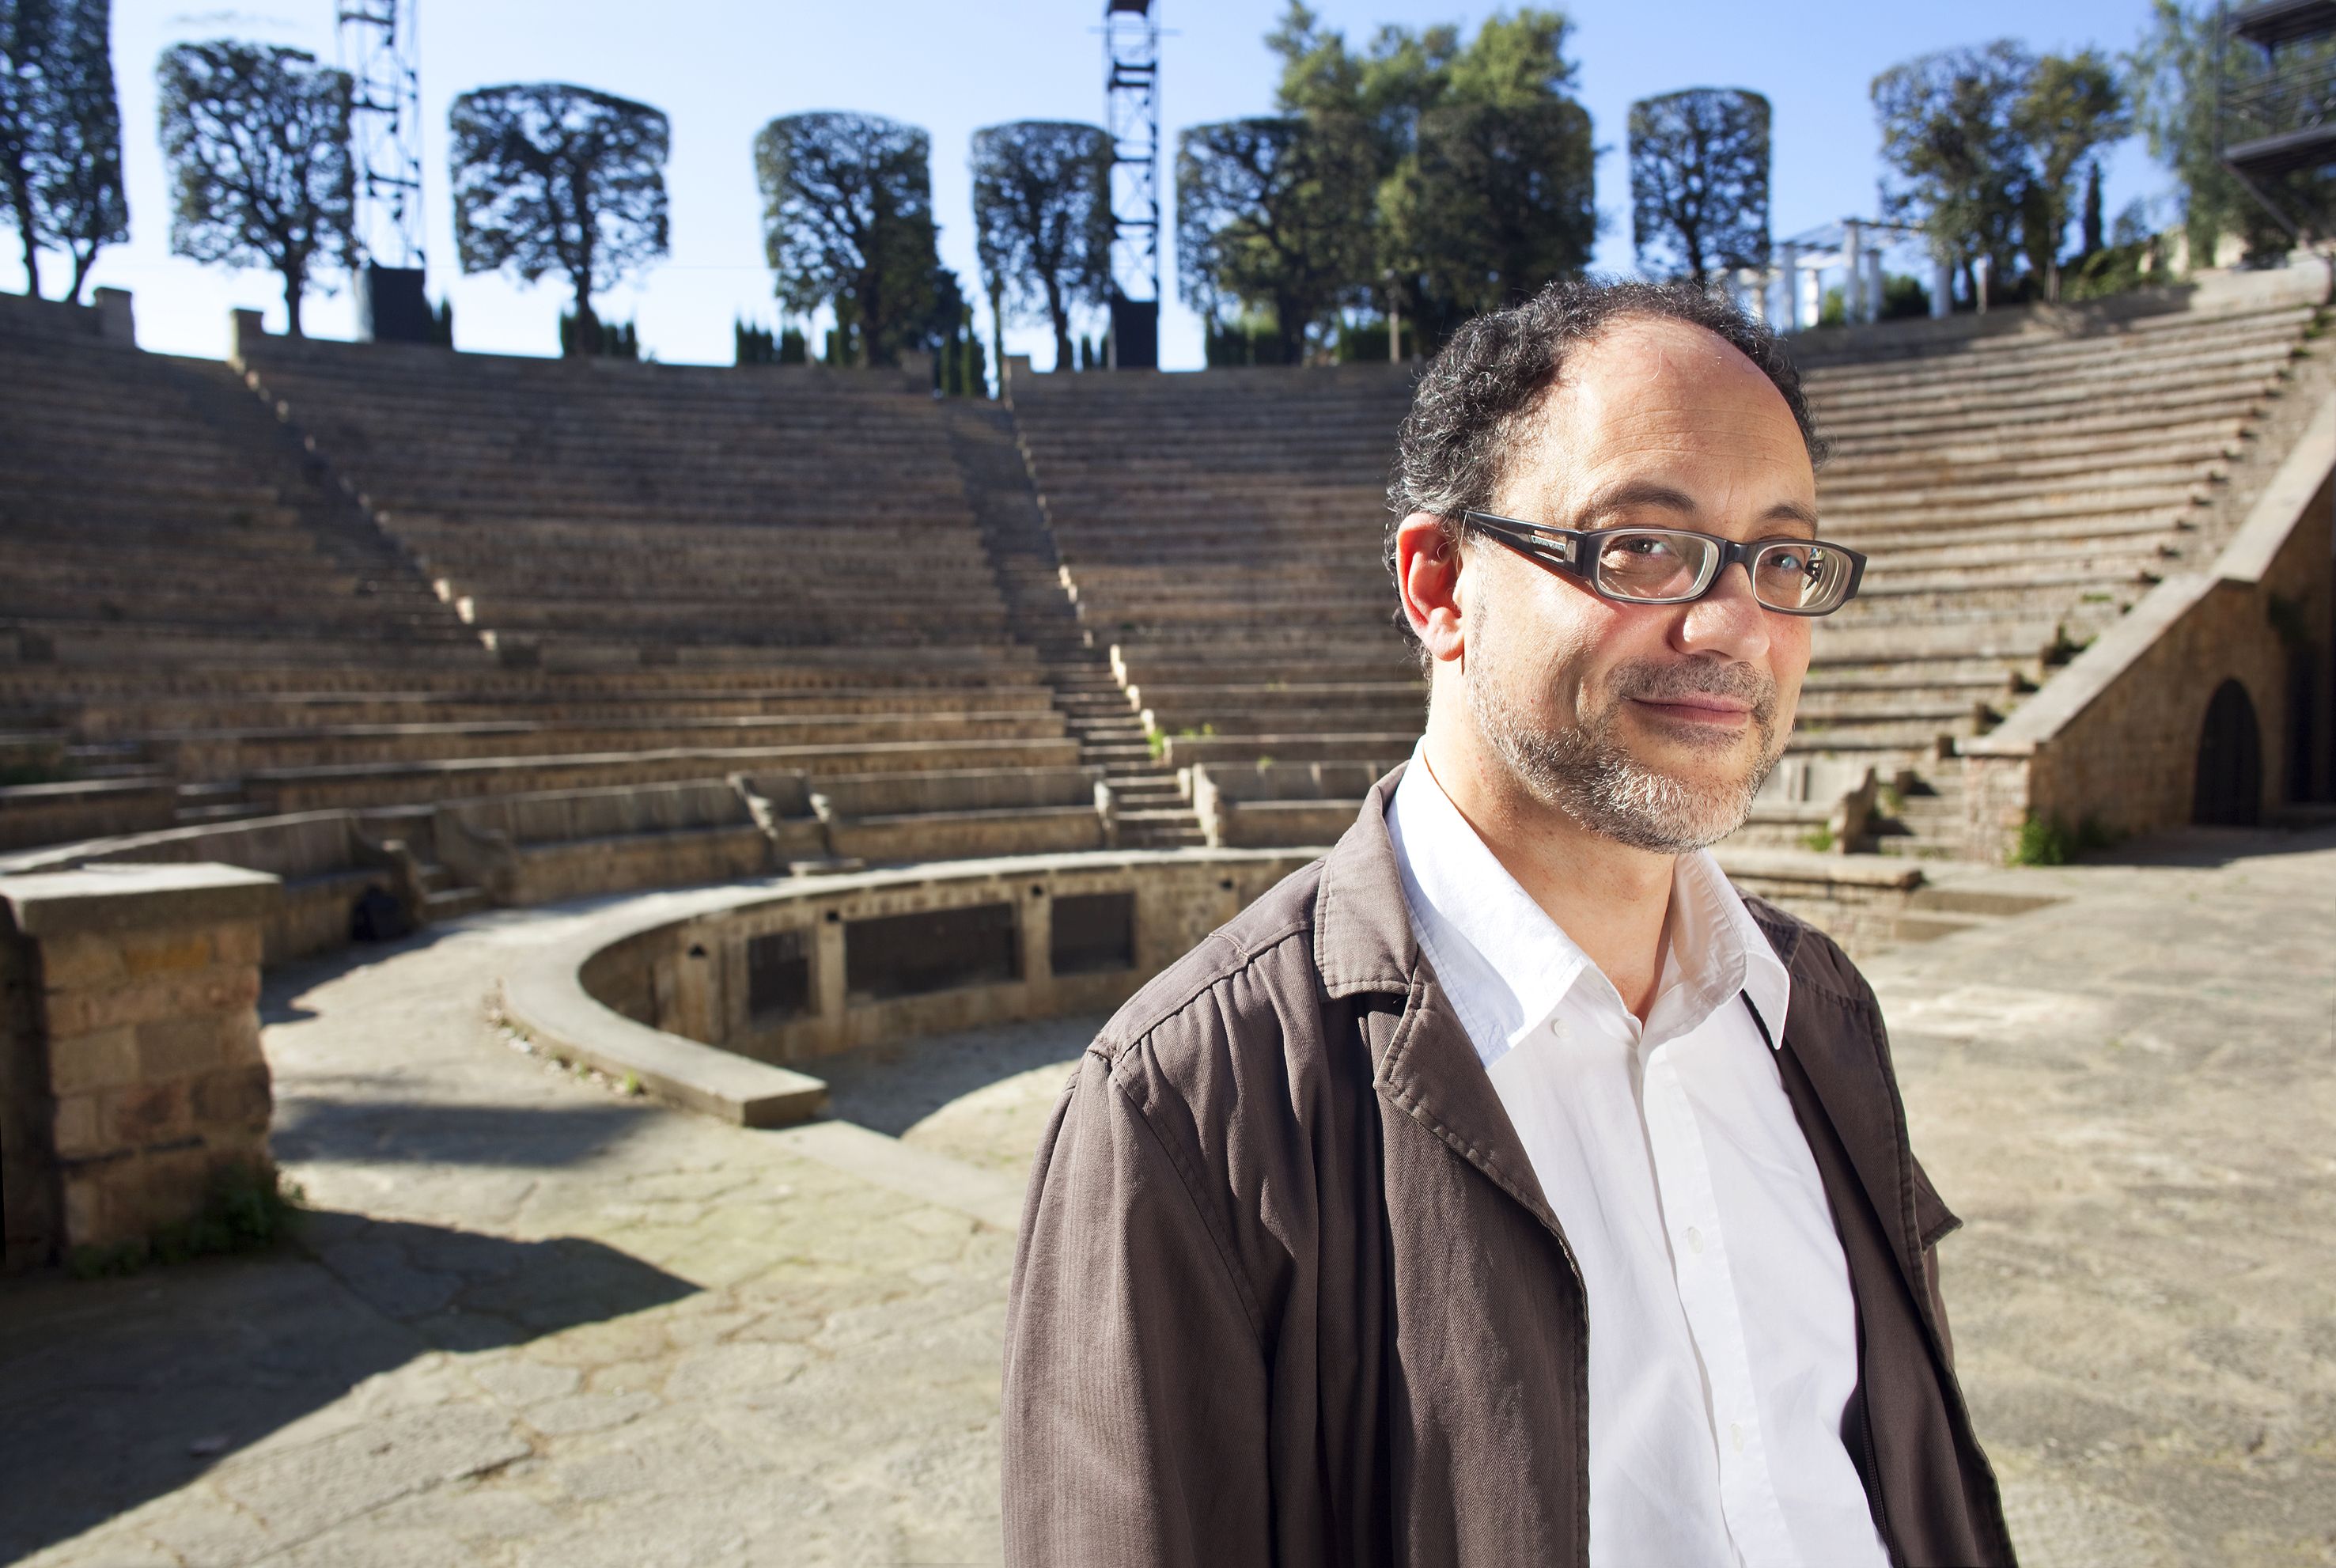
<point>532,1322</point>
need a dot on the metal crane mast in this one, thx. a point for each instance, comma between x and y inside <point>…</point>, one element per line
<point>378,48</point>
<point>1130,35</point>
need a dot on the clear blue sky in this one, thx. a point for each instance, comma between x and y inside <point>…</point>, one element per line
<point>720,70</point>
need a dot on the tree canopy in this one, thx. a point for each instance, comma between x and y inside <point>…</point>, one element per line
<point>60,133</point>
<point>1491,204</point>
<point>1988,146</point>
<point>848,223</point>
<point>2175,77</point>
<point>2071,109</point>
<point>551,177</point>
<point>1946,131</point>
<point>1042,220</point>
<point>1272,213</point>
<point>1699,180</point>
<point>258,141</point>
<point>1480,159</point>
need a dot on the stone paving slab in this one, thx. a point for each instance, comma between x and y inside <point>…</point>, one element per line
<point>532,1322</point>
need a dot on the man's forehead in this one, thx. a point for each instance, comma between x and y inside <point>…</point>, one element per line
<point>1657,402</point>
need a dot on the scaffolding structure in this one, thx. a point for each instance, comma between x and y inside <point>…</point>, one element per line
<point>2278,120</point>
<point>1131,44</point>
<point>379,48</point>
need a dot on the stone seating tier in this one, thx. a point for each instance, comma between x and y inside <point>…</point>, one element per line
<point>42,814</point>
<point>309,712</point>
<point>704,517</point>
<point>230,753</point>
<point>389,783</point>
<point>325,859</point>
<point>534,849</point>
<point>958,813</point>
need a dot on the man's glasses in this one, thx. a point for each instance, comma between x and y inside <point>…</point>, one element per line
<point>1674,566</point>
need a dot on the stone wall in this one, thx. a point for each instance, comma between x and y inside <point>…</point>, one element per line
<point>130,1059</point>
<point>692,976</point>
<point>2113,740</point>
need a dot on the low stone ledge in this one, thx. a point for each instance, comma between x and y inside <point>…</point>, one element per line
<point>675,969</point>
<point>547,1000</point>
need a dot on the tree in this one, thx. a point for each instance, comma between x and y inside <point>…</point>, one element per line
<point>1699,180</point>
<point>258,141</point>
<point>551,177</point>
<point>2174,79</point>
<point>1042,218</point>
<point>82,190</point>
<point>1482,158</point>
<point>1492,204</point>
<point>2070,110</point>
<point>1947,132</point>
<point>848,223</point>
<point>1273,213</point>
<point>27,110</point>
<point>60,133</point>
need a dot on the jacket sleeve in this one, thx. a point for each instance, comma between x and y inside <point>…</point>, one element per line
<point>1134,1397</point>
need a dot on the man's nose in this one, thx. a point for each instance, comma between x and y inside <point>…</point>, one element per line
<point>1727,621</point>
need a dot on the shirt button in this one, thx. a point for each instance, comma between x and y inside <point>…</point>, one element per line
<point>1695,1240</point>
<point>1557,1027</point>
<point>1735,1435</point>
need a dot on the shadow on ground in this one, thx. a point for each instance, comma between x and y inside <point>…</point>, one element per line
<point>312,1128</point>
<point>2209,849</point>
<point>890,1089</point>
<point>116,1391</point>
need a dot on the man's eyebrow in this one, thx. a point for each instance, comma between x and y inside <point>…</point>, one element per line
<point>1646,493</point>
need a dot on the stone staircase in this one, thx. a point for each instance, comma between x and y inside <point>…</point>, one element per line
<point>1040,614</point>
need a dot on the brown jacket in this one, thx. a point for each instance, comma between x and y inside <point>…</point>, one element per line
<point>1287,1293</point>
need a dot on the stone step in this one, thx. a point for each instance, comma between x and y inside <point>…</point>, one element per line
<point>454,903</point>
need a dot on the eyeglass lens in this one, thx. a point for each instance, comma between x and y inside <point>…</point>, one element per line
<point>1662,565</point>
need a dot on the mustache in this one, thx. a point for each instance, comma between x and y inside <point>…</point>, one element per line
<point>1663,680</point>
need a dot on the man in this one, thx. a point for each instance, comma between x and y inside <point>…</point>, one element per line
<point>1503,1188</point>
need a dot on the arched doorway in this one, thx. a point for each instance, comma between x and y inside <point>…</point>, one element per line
<point>2229,792</point>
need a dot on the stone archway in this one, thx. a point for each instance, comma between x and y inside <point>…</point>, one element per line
<point>2229,788</point>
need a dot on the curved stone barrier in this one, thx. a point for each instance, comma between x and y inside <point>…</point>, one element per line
<point>714,1000</point>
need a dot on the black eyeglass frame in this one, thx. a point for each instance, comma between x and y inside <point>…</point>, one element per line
<point>1563,549</point>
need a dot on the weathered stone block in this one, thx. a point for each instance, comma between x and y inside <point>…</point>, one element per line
<point>80,963</point>
<point>219,988</point>
<point>102,1059</point>
<point>233,1098</point>
<point>239,1041</point>
<point>89,1222</point>
<point>148,953</point>
<point>144,1113</point>
<point>76,1126</point>
<point>181,1048</point>
<point>239,944</point>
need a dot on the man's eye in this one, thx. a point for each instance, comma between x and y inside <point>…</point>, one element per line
<point>1643,549</point>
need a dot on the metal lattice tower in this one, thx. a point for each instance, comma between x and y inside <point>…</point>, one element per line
<point>1130,49</point>
<point>378,49</point>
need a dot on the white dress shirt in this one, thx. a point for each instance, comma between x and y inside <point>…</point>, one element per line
<point>1722,1337</point>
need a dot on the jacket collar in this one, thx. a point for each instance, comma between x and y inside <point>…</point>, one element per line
<point>1363,943</point>
<point>1427,1066</point>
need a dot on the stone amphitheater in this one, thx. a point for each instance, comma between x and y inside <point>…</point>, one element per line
<point>725,732</point>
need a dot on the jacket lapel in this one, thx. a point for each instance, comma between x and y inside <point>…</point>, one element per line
<point>1832,1035</point>
<point>1424,1065</point>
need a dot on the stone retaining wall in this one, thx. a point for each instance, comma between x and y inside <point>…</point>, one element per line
<point>131,1074</point>
<point>2114,740</point>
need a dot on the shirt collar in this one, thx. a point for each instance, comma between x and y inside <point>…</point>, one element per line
<point>1506,965</point>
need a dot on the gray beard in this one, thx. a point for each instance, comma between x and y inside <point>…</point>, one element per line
<point>1587,771</point>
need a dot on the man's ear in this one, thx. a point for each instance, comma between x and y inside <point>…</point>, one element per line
<point>1427,574</point>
